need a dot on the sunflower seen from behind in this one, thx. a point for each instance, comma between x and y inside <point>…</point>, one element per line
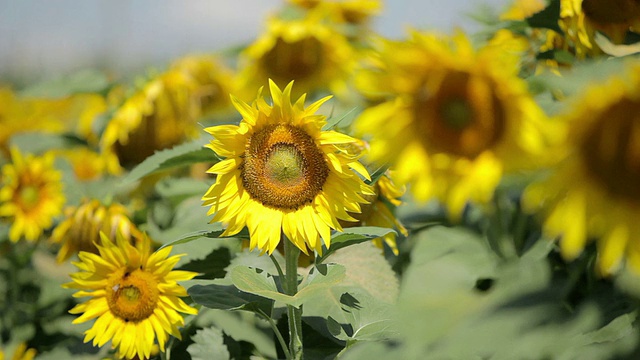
<point>284,174</point>
<point>592,193</point>
<point>134,296</point>
<point>450,119</point>
<point>31,195</point>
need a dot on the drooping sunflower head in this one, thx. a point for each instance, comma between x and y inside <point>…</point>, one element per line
<point>593,191</point>
<point>31,194</point>
<point>452,118</point>
<point>80,230</point>
<point>134,296</point>
<point>308,51</point>
<point>160,115</point>
<point>284,174</point>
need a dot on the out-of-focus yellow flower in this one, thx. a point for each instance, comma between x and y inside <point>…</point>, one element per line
<point>308,51</point>
<point>522,9</point>
<point>160,115</point>
<point>283,174</point>
<point>612,17</point>
<point>343,11</point>
<point>31,194</point>
<point>134,296</point>
<point>454,119</point>
<point>213,81</point>
<point>87,164</point>
<point>378,212</point>
<point>21,353</point>
<point>80,231</point>
<point>593,192</point>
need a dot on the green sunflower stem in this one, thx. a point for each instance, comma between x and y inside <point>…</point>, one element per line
<point>291,254</point>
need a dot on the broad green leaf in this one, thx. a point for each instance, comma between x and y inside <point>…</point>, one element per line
<point>369,319</point>
<point>85,81</point>
<point>228,297</point>
<point>319,279</point>
<point>352,236</point>
<point>212,266</point>
<point>258,282</point>
<point>216,230</point>
<point>208,344</point>
<point>181,155</point>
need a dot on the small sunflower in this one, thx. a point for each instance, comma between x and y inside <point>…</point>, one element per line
<point>379,212</point>
<point>593,191</point>
<point>160,115</point>
<point>134,296</point>
<point>31,194</point>
<point>284,174</point>
<point>80,231</point>
<point>306,51</point>
<point>20,353</point>
<point>454,119</point>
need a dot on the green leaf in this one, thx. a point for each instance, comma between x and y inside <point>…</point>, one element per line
<point>216,230</point>
<point>85,81</point>
<point>352,236</point>
<point>547,18</point>
<point>258,282</point>
<point>369,318</point>
<point>208,344</point>
<point>320,278</point>
<point>228,297</point>
<point>377,174</point>
<point>212,266</point>
<point>334,121</point>
<point>181,155</point>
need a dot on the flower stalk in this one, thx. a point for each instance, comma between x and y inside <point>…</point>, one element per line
<point>291,254</point>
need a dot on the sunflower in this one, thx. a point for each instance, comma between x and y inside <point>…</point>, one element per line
<point>379,211</point>
<point>592,193</point>
<point>308,51</point>
<point>284,174</point>
<point>160,115</point>
<point>213,81</point>
<point>452,120</point>
<point>31,194</point>
<point>134,296</point>
<point>80,231</point>
<point>20,353</point>
<point>344,11</point>
<point>612,17</point>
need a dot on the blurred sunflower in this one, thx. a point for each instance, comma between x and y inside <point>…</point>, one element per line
<point>20,353</point>
<point>593,192</point>
<point>134,296</point>
<point>344,11</point>
<point>213,81</point>
<point>284,174</point>
<point>160,115</point>
<point>379,212</point>
<point>452,120</point>
<point>31,194</point>
<point>313,54</point>
<point>87,164</point>
<point>612,17</point>
<point>81,228</point>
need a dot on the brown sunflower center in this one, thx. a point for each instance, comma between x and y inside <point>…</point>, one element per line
<point>611,150</point>
<point>296,60</point>
<point>283,167</point>
<point>611,11</point>
<point>461,117</point>
<point>28,197</point>
<point>132,295</point>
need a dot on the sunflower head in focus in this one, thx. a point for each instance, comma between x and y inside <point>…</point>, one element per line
<point>31,194</point>
<point>81,228</point>
<point>452,119</point>
<point>160,115</point>
<point>306,51</point>
<point>213,81</point>
<point>134,296</point>
<point>593,192</point>
<point>283,174</point>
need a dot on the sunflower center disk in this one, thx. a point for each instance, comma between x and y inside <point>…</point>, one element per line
<point>460,116</point>
<point>132,296</point>
<point>29,196</point>
<point>296,60</point>
<point>611,150</point>
<point>283,167</point>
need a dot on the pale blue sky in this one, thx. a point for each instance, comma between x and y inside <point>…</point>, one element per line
<point>44,38</point>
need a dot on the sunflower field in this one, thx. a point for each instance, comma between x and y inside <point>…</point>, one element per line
<point>325,192</point>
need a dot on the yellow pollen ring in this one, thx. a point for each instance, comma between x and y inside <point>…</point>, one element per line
<point>132,296</point>
<point>283,167</point>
